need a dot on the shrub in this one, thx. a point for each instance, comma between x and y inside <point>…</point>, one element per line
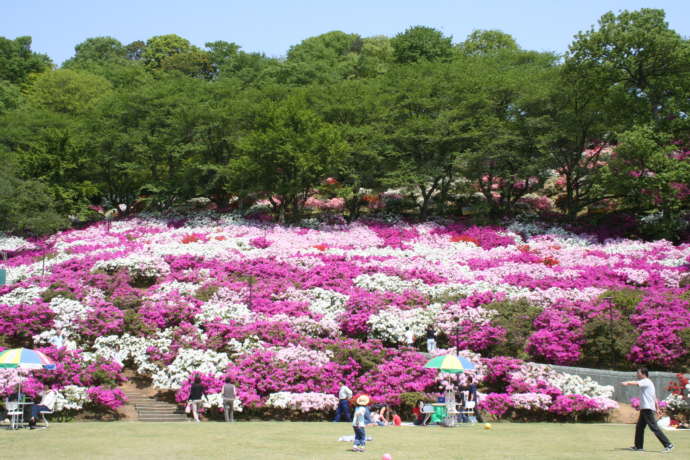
<point>516,317</point>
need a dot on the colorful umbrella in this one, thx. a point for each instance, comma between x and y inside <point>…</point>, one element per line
<point>25,359</point>
<point>446,363</point>
<point>466,363</point>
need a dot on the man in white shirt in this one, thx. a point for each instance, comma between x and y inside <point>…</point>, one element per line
<point>648,411</point>
<point>344,395</point>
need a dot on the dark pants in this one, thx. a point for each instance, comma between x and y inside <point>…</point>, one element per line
<point>229,410</point>
<point>37,409</point>
<point>360,436</point>
<point>343,410</point>
<point>647,418</point>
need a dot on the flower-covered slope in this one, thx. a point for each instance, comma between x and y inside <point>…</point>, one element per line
<point>291,313</point>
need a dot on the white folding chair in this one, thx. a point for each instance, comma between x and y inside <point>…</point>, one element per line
<point>15,413</point>
<point>43,416</point>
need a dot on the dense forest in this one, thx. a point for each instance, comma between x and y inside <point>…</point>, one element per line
<point>479,124</point>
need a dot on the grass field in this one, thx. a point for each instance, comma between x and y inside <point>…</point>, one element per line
<point>318,441</point>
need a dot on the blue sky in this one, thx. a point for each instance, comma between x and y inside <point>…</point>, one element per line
<point>272,26</point>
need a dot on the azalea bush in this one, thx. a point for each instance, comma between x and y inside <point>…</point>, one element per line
<point>291,313</point>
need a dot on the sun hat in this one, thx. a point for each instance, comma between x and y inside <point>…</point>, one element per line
<point>363,400</point>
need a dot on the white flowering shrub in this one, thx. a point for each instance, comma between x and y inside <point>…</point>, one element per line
<point>530,229</point>
<point>216,400</point>
<point>21,296</point>
<point>67,313</point>
<point>678,406</point>
<point>173,286</point>
<point>303,402</point>
<point>138,264</point>
<point>325,302</point>
<point>120,348</point>
<point>567,383</point>
<point>216,309</point>
<point>51,337</point>
<point>189,361</point>
<point>326,326</point>
<point>382,282</point>
<point>71,397</point>
<point>399,326</point>
<point>14,243</point>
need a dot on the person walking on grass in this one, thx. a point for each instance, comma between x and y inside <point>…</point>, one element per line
<point>343,409</point>
<point>649,408</point>
<point>229,400</point>
<point>196,393</point>
<point>359,424</point>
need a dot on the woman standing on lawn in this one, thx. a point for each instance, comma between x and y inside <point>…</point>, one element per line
<point>195,394</point>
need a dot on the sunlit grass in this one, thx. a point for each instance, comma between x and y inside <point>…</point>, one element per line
<point>317,441</point>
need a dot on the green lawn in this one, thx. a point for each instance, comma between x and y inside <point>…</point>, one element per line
<point>317,441</point>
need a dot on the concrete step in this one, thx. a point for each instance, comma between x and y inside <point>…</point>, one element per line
<point>159,411</point>
<point>163,419</point>
<point>161,414</point>
<point>153,404</point>
<point>150,409</point>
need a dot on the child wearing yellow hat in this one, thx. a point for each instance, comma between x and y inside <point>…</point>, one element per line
<point>359,424</point>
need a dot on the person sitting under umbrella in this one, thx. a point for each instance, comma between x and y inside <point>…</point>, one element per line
<point>47,404</point>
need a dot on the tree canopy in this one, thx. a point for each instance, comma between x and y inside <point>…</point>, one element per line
<point>477,125</point>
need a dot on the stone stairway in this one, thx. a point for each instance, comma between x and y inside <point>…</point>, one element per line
<point>149,409</point>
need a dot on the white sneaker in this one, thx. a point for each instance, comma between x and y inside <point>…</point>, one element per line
<point>668,448</point>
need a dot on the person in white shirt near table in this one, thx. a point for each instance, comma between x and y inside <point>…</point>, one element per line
<point>47,404</point>
<point>649,408</point>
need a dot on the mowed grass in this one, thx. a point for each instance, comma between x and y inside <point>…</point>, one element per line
<point>318,441</point>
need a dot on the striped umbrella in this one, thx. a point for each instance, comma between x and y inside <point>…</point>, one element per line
<point>446,363</point>
<point>25,359</point>
<point>466,363</point>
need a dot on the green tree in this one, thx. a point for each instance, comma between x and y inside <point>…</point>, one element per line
<point>97,49</point>
<point>145,137</point>
<point>505,120</point>
<point>420,42</point>
<point>18,62</point>
<point>325,58</point>
<point>375,56</point>
<point>108,58</point>
<point>651,177</point>
<point>646,63</point>
<point>67,91</point>
<point>288,153</point>
<point>576,140</point>
<point>48,138</point>
<point>482,42</point>
<point>135,50</point>
<point>221,120</point>
<point>172,52</point>
<point>26,206</point>
<point>10,96</point>
<point>355,107</point>
<point>423,128</point>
